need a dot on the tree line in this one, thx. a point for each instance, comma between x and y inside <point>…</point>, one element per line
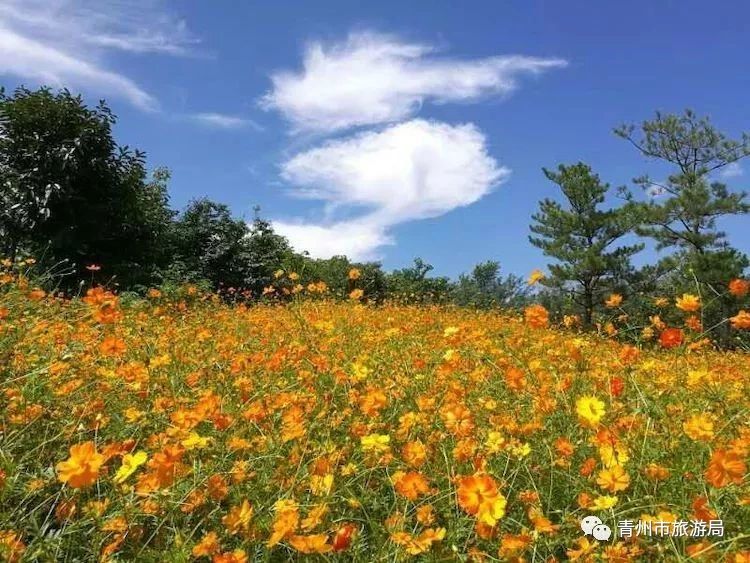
<point>88,209</point>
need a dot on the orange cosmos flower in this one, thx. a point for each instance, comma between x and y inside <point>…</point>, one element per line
<point>741,320</point>
<point>11,546</point>
<point>239,517</point>
<point>354,274</point>
<point>356,294</point>
<point>564,447</point>
<point>701,510</point>
<point>414,453</point>
<point>688,303</point>
<point>536,316</point>
<point>614,479</point>
<point>81,469</point>
<point>236,556</point>
<point>739,287</point>
<point>208,546</point>
<point>724,468</point>
<point>694,323</point>
<point>112,346</point>
<point>699,427</point>
<point>410,485</point>
<point>218,488</point>
<point>315,543</point>
<point>613,301</point>
<point>478,495</point>
<point>670,337</point>
<point>285,521</point>
<point>656,472</point>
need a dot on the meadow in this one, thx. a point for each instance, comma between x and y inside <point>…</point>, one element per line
<point>178,427</point>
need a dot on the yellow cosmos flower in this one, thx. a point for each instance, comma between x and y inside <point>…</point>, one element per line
<point>130,462</point>
<point>375,442</point>
<point>604,502</point>
<point>688,303</point>
<point>590,410</point>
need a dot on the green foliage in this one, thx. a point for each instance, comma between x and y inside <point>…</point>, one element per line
<point>334,272</point>
<point>686,218</point>
<point>581,237</point>
<point>209,244</point>
<point>485,287</point>
<point>413,285</point>
<point>69,193</point>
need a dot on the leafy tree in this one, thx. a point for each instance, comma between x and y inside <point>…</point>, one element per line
<point>264,252</point>
<point>581,237</point>
<point>413,284</point>
<point>334,272</point>
<point>211,245</point>
<point>686,218</point>
<point>485,287</point>
<point>69,193</point>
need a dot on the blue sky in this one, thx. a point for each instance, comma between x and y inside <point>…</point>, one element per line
<point>389,130</point>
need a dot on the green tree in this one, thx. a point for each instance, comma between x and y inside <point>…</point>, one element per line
<point>213,246</point>
<point>334,272</point>
<point>485,287</point>
<point>69,193</point>
<point>412,284</point>
<point>581,236</point>
<point>264,252</point>
<point>686,217</point>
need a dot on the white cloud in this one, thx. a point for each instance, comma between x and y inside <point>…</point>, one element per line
<point>413,170</point>
<point>373,78</point>
<point>64,42</point>
<point>358,240</point>
<point>733,170</point>
<point>223,121</point>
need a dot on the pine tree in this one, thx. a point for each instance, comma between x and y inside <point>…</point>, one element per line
<point>581,236</point>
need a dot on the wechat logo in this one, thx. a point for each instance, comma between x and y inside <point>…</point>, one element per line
<point>593,526</point>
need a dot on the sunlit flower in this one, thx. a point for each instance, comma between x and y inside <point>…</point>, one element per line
<point>670,337</point>
<point>81,469</point>
<point>614,479</point>
<point>130,462</point>
<point>604,502</point>
<point>479,496</point>
<point>614,300</point>
<point>536,316</point>
<point>238,518</point>
<point>739,287</point>
<point>207,546</point>
<point>590,410</point>
<point>741,320</point>
<point>410,485</point>
<point>724,468</point>
<point>699,427</point>
<point>535,277</point>
<point>688,303</point>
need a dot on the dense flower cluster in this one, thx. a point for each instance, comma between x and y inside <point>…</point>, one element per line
<point>178,429</point>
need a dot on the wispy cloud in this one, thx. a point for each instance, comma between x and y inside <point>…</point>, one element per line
<point>733,170</point>
<point>405,170</point>
<point>66,42</point>
<point>413,170</point>
<point>223,121</point>
<point>374,78</point>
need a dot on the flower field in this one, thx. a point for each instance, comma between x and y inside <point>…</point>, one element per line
<point>182,428</point>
